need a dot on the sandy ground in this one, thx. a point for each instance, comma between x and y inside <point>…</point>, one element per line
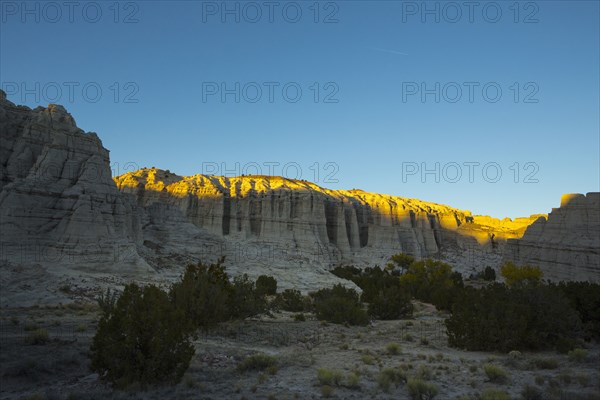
<point>59,369</point>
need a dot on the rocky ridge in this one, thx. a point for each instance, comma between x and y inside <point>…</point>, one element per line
<point>63,217</point>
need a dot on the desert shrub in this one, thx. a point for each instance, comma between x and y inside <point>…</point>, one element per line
<point>266,285</point>
<point>585,299</point>
<point>37,337</point>
<point>368,359</point>
<point>257,362</point>
<point>494,394</point>
<point>143,340</point>
<point>329,377</point>
<point>420,389</point>
<point>203,294</point>
<point>339,305</point>
<point>400,262</point>
<point>107,300</point>
<point>489,274</point>
<point>497,318</point>
<point>389,376</point>
<point>495,373</point>
<point>290,300</point>
<point>391,303</point>
<point>578,355</point>
<point>393,348</point>
<point>244,300</point>
<point>299,317</point>
<point>525,275</point>
<point>424,372</point>
<point>326,391</point>
<point>545,363</point>
<point>531,393</point>
<point>381,289</point>
<point>353,380</point>
<point>432,281</point>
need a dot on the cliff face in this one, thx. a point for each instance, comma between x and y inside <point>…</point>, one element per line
<point>59,205</point>
<point>292,224</point>
<point>63,217</point>
<point>566,245</point>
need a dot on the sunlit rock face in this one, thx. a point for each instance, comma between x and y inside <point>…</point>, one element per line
<point>566,245</point>
<point>63,217</point>
<point>290,224</point>
<point>58,203</point>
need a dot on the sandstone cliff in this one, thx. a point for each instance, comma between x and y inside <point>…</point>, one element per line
<point>297,226</point>
<point>566,245</point>
<point>64,219</point>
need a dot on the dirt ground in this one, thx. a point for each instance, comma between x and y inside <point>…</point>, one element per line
<point>59,368</point>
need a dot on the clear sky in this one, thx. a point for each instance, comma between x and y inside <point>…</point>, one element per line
<point>349,94</point>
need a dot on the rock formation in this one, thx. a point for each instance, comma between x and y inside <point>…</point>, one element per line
<point>59,208</point>
<point>289,224</point>
<point>566,245</point>
<point>62,216</point>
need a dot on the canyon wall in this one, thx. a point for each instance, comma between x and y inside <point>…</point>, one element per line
<point>63,218</point>
<point>566,245</point>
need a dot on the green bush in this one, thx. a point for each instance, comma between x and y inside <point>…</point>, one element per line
<point>290,300</point>
<point>389,376</point>
<point>340,306</point>
<point>38,337</point>
<point>578,355</point>
<point>432,281</point>
<point>329,377</point>
<point>420,389</point>
<point>531,393</point>
<point>497,318</point>
<point>495,373</point>
<point>203,294</point>
<point>585,299</point>
<point>525,275</point>
<point>353,380</point>
<point>244,300</point>
<point>107,300</point>
<point>545,363</point>
<point>391,303</point>
<point>257,362</point>
<point>266,285</point>
<point>393,348</point>
<point>299,317</point>
<point>143,340</point>
<point>494,394</point>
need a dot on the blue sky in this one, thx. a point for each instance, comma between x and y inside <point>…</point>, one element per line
<point>386,91</point>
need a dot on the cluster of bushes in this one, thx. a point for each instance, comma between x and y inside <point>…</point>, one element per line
<point>339,305</point>
<point>525,275</point>
<point>433,281</point>
<point>525,313</point>
<point>382,290</point>
<point>144,335</point>
<point>487,274</point>
<point>504,318</point>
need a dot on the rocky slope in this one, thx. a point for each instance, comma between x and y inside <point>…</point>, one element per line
<point>566,245</point>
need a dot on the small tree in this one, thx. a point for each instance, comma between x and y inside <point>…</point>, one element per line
<point>391,303</point>
<point>142,340</point>
<point>489,274</point>
<point>400,260</point>
<point>514,275</point>
<point>340,305</point>
<point>244,300</point>
<point>266,285</point>
<point>203,294</point>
